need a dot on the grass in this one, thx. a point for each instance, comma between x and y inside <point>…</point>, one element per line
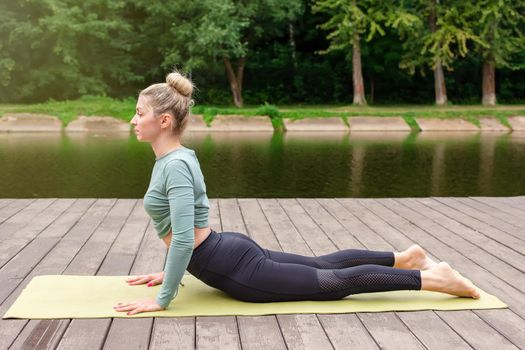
<point>125,109</point>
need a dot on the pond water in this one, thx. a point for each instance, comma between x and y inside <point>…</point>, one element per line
<point>266,165</point>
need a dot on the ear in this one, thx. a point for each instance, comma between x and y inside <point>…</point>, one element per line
<point>165,120</point>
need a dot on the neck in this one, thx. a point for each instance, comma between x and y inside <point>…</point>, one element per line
<point>163,146</point>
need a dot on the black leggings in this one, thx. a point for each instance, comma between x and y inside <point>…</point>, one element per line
<point>237,265</point>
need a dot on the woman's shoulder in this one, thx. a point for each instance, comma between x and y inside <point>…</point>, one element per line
<point>177,162</point>
<point>182,153</point>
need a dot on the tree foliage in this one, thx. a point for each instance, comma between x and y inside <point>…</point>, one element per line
<point>350,18</point>
<point>63,49</point>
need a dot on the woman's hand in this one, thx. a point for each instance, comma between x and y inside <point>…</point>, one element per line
<point>152,279</point>
<point>142,305</point>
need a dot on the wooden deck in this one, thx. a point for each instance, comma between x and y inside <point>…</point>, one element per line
<point>483,238</point>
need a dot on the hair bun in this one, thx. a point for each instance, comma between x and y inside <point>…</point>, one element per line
<point>180,83</point>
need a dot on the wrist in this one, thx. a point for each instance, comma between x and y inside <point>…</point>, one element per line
<point>160,303</point>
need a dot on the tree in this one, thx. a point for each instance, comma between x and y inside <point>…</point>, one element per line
<point>434,35</point>
<point>500,25</point>
<point>348,23</point>
<point>223,33</point>
<point>62,48</point>
<point>224,30</point>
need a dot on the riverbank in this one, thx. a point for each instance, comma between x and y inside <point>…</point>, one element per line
<point>417,117</point>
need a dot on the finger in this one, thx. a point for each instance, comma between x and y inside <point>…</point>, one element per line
<point>140,281</point>
<point>123,304</point>
<point>154,282</point>
<point>133,278</point>
<point>125,308</point>
<point>143,279</point>
<point>136,311</point>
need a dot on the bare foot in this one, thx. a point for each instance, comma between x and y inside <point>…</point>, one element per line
<point>418,258</point>
<point>414,258</point>
<point>443,278</point>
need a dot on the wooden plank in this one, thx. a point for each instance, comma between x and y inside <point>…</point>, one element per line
<point>490,251</point>
<point>505,220</point>
<point>256,224</point>
<point>479,248</point>
<point>506,209</point>
<point>304,330</point>
<point>22,218</point>
<point>231,218</point>
<point>326,234</point>
<point>87,261</point>
<point>396,217</point>
<point>217,332</point>
<point>321,237</point>
<point>17,269</point>
<point>330,214</point>
<point>220,331</point>
<point>90,258</point>
<point>499,320</point>
<point>473,329</point>
<point>387,333</point>
<point>25,226</point>
<point>372,223</point>
<point>254,332</point>
<point>136,251</point>
<point>9,210</point>
<point>173,333</point>
<point>511,207</point>
<point>507,322</point>
<point>53,241</point>
<point>21,264</point>
<point>4,202</point>
<point>53,263</point>
<point>481,217</point>
<point>385,218</point>
<point>346,331</point>
<point>214,215</point>
<point>287,235</point>
<point>90,261</point>
<point>517,202</point>
<point>433,331</point>
<point>166,333</point>
<point>51,332</point>
<point>258,332</point>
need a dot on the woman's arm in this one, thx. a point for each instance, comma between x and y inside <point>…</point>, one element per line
<point>179,189</point>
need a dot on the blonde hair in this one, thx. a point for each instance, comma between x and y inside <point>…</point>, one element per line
<point>173,97</point>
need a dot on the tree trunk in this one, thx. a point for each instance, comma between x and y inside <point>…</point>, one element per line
<point>357,73</point>
<point>372,88</point>
<point>489,83</point>
<point>439,85</point>
<point>292,43</point>
<point>489,70</point>
<point>235,79</point>
<point>440,88</point>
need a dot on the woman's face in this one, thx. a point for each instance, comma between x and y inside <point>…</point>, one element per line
<point>147,127</point>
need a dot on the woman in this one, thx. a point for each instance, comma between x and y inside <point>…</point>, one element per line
<point>178,205</point>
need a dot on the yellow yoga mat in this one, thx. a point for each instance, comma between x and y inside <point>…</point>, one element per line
<point>71,296</point>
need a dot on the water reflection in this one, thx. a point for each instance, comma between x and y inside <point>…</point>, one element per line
<point>266,164</point>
